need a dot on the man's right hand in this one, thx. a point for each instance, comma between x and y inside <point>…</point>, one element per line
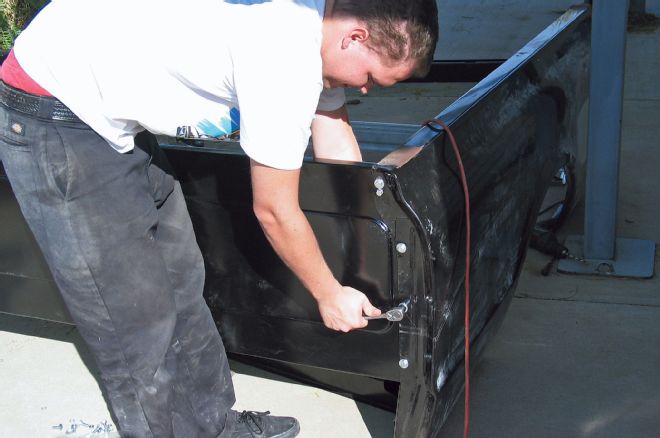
<point>345,309</point>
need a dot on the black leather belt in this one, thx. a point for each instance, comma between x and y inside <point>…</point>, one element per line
<point>44,107</point>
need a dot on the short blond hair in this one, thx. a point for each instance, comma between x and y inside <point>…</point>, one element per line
<point>400,30</point>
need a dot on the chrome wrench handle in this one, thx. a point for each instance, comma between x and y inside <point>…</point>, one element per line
<point>395,314</point>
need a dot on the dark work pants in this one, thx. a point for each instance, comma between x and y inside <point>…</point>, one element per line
<point>118,239</point>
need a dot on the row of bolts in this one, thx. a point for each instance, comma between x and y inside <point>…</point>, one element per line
<point>401,248</point>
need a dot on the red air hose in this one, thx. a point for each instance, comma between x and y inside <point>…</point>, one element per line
<point>466,193</point>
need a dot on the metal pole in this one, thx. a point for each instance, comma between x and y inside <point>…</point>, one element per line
<point>604,253</point>
<point>608,47</point>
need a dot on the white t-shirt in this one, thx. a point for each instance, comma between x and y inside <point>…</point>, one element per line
<point>214,66</point>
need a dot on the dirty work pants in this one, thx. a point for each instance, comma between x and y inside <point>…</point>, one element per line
<point>119,242</point>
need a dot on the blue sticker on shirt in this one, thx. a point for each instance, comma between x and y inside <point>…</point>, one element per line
<point>235,116</point>
<point>223,128</point>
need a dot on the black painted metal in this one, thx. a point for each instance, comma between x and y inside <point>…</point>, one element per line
<point>516,128</point>
<point>26,285</point>
<point>260,307</point>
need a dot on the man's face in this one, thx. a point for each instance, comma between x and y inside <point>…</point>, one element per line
<point>354,65</point>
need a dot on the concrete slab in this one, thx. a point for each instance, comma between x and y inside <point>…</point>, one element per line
<point>467,27</point>
<point>322,414</point>
<point>652,6</point>
<point>568,369</point>
<point>642,63</point>
<point>50,387</point>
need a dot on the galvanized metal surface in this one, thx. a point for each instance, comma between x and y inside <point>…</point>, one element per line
<point>604,141</point>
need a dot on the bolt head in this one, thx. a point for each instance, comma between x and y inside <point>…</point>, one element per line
<point>605,268</point>
<point>401,248</point>
<point>379,183</point>
<point>403,363</point>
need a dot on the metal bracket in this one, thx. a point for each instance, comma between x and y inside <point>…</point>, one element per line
<point>632,258</point>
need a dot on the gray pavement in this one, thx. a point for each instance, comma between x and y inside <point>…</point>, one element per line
<point>576,356</point>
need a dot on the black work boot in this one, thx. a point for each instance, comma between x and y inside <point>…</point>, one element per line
<point>251,424</point>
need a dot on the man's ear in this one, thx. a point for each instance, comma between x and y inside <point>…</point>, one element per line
<point>356,35</point>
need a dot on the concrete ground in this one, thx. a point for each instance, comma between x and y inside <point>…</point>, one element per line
<point>577,356</point>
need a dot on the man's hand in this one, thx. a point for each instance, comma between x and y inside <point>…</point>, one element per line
<point>345,310</point>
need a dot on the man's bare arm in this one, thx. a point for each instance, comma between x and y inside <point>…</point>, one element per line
<point>332,136</point>
<point>275,203</point>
